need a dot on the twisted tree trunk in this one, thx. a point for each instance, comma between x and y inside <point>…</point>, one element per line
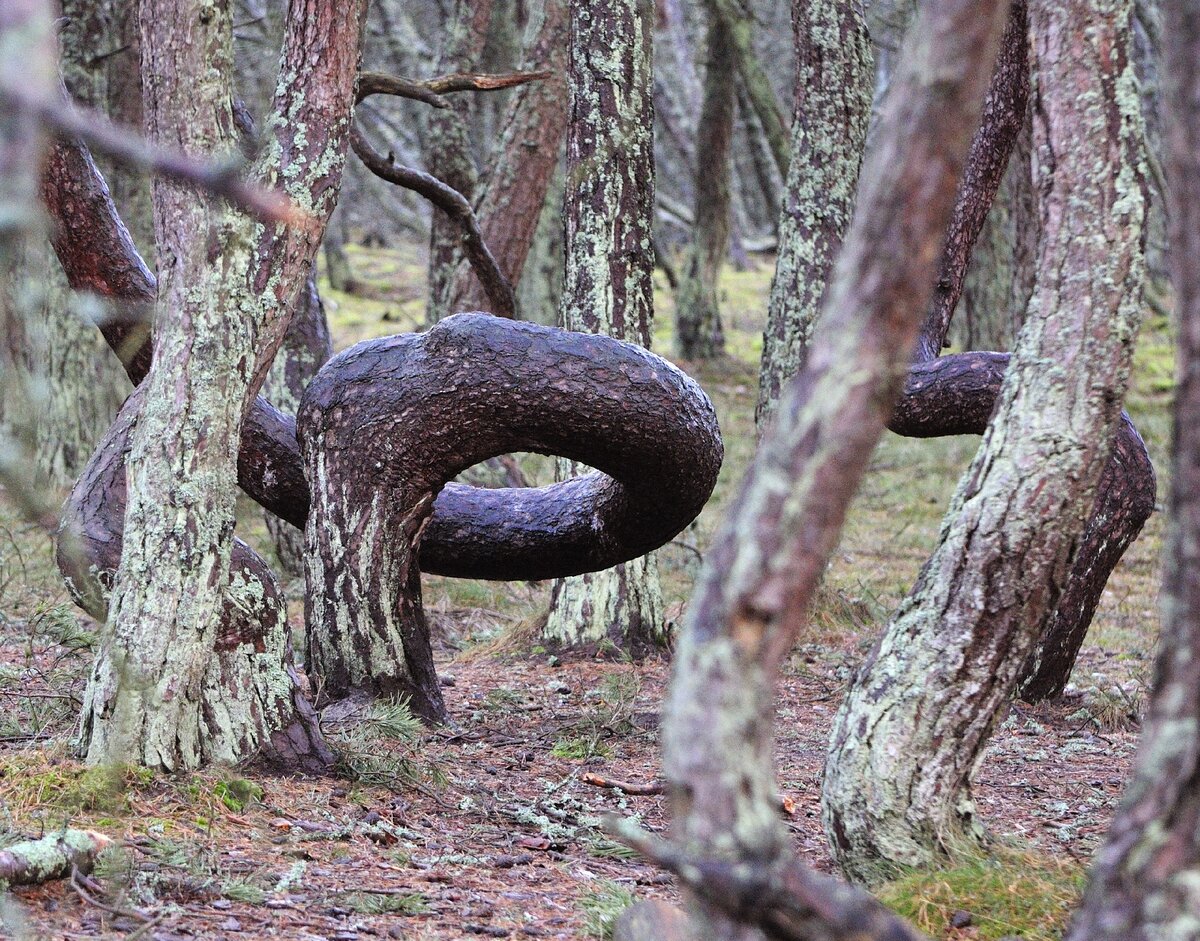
<point>910,732</point>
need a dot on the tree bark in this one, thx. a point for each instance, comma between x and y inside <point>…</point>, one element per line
<point>306,347</point>
<point>829,126</point>
<point>609,288</point>
<point>217,330</point>
<point>698,332</point>
<point>386,423</point>
<point>769,554</point>
<point>528,156</point>
<point>447,147</point>
<point>912,728</point>
<point>1144,881</point>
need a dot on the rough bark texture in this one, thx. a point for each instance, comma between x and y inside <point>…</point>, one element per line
<point>56,856</point>
<point>834,79</point>
<point>224,289</point>
<point>770,553</point>
<point>385,425</point>
<point>529,152</point>
<point>912,728</point>
<point>609,288</point>
<point>306,346</point>
<point>1144,884</point>
<point>447,147</point>
<point>698,331</point>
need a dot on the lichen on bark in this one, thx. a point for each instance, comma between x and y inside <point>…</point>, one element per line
<point>911,731</point>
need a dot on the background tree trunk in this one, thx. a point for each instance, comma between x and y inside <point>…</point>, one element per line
<point>609,289</point>
<point>834,78</point>
<point>698,332</point>
<point>910,732</point>
<point>1144,881</point>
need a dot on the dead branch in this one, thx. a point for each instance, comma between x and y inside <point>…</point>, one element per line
<point>784,898</point>
<point>66,119</point>
<point>431,90</point>
<point>634,790</point>
<point>497,287</point>
<point>54,856</point>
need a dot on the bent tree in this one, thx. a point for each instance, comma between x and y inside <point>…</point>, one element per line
<point>912,727</point>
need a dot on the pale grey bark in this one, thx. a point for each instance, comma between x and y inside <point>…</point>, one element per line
<point>911,731</point>
<point>608,205</point>
<point>834,78</point>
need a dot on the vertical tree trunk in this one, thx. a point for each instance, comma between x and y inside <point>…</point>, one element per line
<point>609,208</point>
<point>529,153</point>
<point>912,728</point>
<point>770,553</point>
<point>698,330</point>
<point>306,347</point>
<point>1144,882</point>
<point>447,148</point>
<point>834,79</point>
<point>224,289</point>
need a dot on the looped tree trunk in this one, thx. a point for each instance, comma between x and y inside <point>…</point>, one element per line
<point>250,702</point>
<point>385,424</point>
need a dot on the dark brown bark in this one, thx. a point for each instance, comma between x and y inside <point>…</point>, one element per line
<point>529,152</point>
<point>1144,884</point>
<point>385,425</point>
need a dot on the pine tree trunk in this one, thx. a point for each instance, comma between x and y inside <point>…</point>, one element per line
<point>306,347</point>
<point>609,207</point>
<point>698,332</point>
<point>447,148</point>
<point>1144,881</point>
<point>832,107</point>
<point>911,731</point>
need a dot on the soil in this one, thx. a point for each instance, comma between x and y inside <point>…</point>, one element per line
<point>509,845</point>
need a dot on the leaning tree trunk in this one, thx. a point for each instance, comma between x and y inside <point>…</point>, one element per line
<point>529,154</point>
<point>911,731</point>
<point>609,210</point>
<point>770,553</point>
<point>306,347</point>
<point>1144,884</point>
<point>224,288</point>
<point>834,78</point>
<point>447,148</point>
<point>698,332</point>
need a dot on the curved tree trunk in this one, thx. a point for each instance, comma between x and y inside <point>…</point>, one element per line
<point>912,728</point>
<point>306,347</point>
<point>1144,882</point>
<point>770,553</point>
<point>832,107</point>
<point>609,288</point>
<point>698,332</point>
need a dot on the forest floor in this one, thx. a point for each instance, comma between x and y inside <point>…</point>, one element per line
<point>491,827</point>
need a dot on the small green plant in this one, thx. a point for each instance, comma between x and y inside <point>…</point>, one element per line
<point>580,749</point>
<point>243,890</point>
<point>601,907</point>
<point>379,746</point>
<point>236,793</point>
<point>366,902</point>
<point>1025,894</point>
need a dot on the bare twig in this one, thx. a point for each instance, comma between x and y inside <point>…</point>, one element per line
<point>497,287</point>
<point>431,90</point>
<point>125,146</point>
<point>634,790</point>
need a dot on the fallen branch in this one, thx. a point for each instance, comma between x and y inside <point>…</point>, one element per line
<point>497,287</point>
<point>786,804</point>
<point>52,857</point>
<point>783,898</point>
<point>431,90</point>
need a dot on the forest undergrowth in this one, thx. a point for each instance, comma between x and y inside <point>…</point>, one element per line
<point>490,826</point>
